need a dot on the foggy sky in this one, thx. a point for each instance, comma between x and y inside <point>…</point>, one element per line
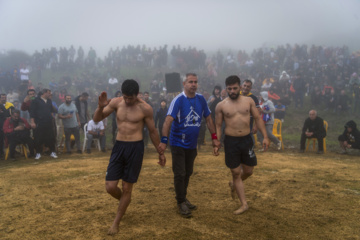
<point>213,24</point>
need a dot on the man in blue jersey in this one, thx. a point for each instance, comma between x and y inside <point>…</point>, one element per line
<point>184,118</point>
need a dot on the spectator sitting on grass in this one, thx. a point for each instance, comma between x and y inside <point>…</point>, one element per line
<point>350,137</point>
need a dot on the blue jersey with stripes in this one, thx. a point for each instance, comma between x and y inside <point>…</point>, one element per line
<point>187,114</point>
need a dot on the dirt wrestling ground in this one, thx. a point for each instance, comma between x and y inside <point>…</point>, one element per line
<point>291,196</point>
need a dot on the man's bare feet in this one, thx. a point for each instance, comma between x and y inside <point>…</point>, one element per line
<point>232,190</point>
<point>241,210</point>
<point>114,229</point>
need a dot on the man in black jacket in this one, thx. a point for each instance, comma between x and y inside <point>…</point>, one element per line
<point>82,107</point>
<point>41,120</point>
<point>313,128</point>
<point>161,115</point>
<point>350,137</point>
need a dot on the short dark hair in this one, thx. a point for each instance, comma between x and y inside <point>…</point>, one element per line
<point>45,90</point>
<point>248,81</point>
<point>15,111</point>
<point>68,95</point>
<point>30,90</point>
<point>146,93</point>
<point>84,94</point>
<point>2,94</point>
<point>230,80</point>
<point>117,92</point>
<point>130,87</point>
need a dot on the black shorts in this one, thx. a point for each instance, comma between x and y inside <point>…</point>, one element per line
<point>125,161</point>
<point>239,150</point>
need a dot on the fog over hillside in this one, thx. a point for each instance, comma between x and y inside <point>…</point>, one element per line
<point>210,25</point>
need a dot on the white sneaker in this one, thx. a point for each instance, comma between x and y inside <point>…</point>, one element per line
<point>53,155</point>
<point>38,156</point>
<point>279,146</point>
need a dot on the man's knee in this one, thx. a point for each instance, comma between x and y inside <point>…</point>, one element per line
<point>126,188</point>
<point>247,172</point>
<point>111,186</point>
<point>236,173</point>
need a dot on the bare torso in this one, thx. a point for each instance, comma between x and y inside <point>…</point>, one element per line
<point>130,119</point>
<point>236,114</point>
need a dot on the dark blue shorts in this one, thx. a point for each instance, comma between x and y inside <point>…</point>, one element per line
<point>125,161</point>
<point>239,150</point>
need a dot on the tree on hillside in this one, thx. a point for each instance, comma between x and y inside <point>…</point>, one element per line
<point>12,59</point>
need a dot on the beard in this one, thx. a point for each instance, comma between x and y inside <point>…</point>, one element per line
<point>68,102</point>
<point>234,96</point>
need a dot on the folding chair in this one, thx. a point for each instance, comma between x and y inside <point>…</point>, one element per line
<point>23,149</point>
<point>96,140</point>
<point>315,139</point>
<point>277,131</point>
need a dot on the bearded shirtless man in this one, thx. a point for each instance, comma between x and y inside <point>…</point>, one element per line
<point>127,154</point>
<point>238,144</point>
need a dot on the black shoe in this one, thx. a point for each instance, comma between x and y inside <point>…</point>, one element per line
<point>88,151</point>
<point>79,151</point>
<point>184,210</point>
<point>320,152</point>
<point>103,150</point>
<point>301,151</point>
<point>189,205</point>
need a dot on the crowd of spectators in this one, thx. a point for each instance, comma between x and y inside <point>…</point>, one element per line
<point>328,76</point>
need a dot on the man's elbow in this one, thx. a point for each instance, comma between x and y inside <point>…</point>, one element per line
<point>97,118</point>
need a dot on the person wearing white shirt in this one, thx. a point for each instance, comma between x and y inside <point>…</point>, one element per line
<point>12,96</point>
<point>24,74</point>
<point>113,81</point>
<point>95,130</point>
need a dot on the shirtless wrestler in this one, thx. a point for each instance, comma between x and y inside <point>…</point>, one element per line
<point>127,154</point>
<point>238,144</point>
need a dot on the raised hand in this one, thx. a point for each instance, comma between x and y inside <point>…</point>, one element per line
<point>103,100</point>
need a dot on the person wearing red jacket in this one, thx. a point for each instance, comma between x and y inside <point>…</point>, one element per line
<point>31,94</point>
<point>17,131</point>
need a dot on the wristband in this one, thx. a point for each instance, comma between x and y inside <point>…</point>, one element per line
<point>213,136</point>
<point>164,140</point>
